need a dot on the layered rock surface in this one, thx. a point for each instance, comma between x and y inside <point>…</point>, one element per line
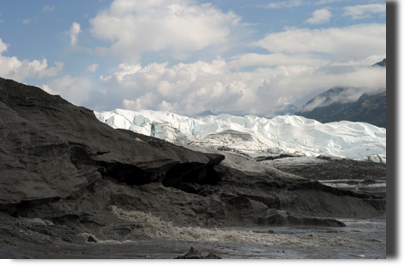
<point>65,177</point>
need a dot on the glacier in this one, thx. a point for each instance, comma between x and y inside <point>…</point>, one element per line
<point>257,136</point>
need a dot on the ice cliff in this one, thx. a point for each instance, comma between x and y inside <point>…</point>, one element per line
<point>256,136</point>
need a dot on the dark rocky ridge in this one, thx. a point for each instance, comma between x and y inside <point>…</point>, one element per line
<point>61,171</point>
<point>53,149</point>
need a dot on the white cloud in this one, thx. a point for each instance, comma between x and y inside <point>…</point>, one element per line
<point>274,59</point>
<point>48,8</point>
<point>73,33</point>
<point>364,11</point>
<point>370,60</point>
<point>143,102</point>
<point>176,26</point>
<point>3,46</point>
<point>46,88</point>
<point>295,3</point>
<point>322,2</point>
<point>350,43</point>
<point>178,88</point>
<point>285,4</point>
<point>13,68</point>
<point>51,71</point>
<point>26,21</point>
<point>74,89</point>
<point>320,16</point>
<point>92,68</point>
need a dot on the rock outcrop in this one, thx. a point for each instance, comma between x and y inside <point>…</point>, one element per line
<point>51,149</point>
<point>60,166</point>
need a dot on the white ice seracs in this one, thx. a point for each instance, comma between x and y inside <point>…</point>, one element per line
<point>255,136</point>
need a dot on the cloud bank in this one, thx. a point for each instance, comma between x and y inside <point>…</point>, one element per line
<point>190,89</point>
<point>293,71</point>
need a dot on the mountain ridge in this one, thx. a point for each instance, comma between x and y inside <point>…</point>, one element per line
<point>348,103</point>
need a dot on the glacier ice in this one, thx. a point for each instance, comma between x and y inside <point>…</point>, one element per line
<point>254,136</point>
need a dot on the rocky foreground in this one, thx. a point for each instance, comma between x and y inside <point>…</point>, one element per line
<point>67,180</point>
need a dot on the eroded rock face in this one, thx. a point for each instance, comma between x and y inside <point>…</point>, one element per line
<point>60,164</point>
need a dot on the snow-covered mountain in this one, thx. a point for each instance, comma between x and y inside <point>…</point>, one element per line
<point>256,136</point>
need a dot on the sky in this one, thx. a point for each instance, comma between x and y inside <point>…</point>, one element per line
<point>189,56</point>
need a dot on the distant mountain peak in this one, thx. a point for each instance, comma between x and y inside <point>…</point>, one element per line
<point>205,113</point>
<point>351,104</point>
<point>381,63</point>
<point>331,96</point>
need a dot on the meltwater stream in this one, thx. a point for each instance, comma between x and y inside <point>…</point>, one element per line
<point>154,238</point>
